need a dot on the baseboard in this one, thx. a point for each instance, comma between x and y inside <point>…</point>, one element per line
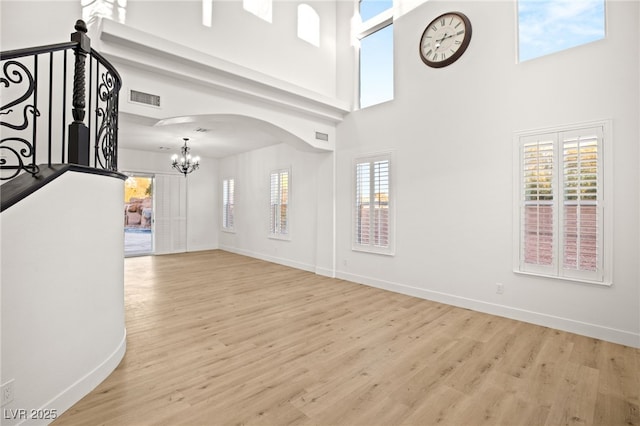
<point>565,324</point>
<point>325,272</point>
<point>205,247</point>
<point>78,390</point>
<point>273,259</point>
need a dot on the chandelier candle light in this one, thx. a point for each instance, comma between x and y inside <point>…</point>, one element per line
<point>186,163</point>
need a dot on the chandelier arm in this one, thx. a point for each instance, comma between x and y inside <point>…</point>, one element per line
<point>186,164</point>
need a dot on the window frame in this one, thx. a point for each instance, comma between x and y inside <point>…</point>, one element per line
<point>366,28</point>
<point>262,9</point>
<point>308,24</point>
<point>519,35</point>
<point>226,227</point>
<point>371,247</point>
<point>276,232</point>
<point>602,275</point>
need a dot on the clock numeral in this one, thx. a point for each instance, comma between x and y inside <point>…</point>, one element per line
<point>434,28</point>
<point>451,22</point>
<point>457,42</point>
<point>442,22</point>
<point>460,32</point>
<point>458,25</point>
<point>428,53</point>
<point>443,56</point>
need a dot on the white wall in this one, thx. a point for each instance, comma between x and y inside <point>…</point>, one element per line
<point>63,328</point>
<point>242,38</point>
<point>452,132</point>
<point>235,35</point>
<point>29,24</point>
<point>202,193</point>
<point>309,173</point>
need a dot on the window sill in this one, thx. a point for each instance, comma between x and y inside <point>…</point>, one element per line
<point>279,237</point>
<point>372,250</point>
<point>604,283</point>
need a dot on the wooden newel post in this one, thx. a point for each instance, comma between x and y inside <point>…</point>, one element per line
<point>78,132</point>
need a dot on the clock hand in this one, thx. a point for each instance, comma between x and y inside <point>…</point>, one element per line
<point>443,37</point>
<point>438,42</point>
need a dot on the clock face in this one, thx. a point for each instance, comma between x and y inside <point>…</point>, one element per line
<point>445,39</point>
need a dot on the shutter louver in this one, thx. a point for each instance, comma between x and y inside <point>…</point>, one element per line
<point>562,229</point>
<point>363,196</point>
<point>538,212</point>
<point>279,221</point>
<point>381,203</point>
<point>228,203</point>
<point>581,195</point>
<point>371,209</point>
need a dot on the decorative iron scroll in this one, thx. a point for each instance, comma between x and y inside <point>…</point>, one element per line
<point>106,144</point>
<point>31,95</point>
<point>19,149</point>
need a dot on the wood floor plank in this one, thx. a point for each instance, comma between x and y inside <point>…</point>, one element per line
<point>214,338</point>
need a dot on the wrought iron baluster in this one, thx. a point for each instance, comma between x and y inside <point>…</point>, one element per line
<point>50,108</point>
<point>35,122</point>
<point>64,107</point>
<point>78,131</point>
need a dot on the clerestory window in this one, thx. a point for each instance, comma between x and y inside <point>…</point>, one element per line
<point>376,52</point>
<point>308,24</point>
<point>548,26</point>
<point>263,9</point>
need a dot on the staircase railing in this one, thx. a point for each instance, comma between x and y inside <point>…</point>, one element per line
<point>46,116</point>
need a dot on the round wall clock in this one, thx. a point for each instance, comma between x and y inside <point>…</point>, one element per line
<point>445,39</point>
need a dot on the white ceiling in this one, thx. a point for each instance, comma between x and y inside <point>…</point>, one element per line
<point>213,136</point>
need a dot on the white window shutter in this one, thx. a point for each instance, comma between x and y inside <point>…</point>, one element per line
<point>581,212</point>
<point>361,210</point>
<point>561,230</point>
<point>538,236</point>
<point>280,185</point>
<point>228,203</point>
<point>372,205</point>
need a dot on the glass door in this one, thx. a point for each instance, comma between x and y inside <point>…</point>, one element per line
<point>138,215</point>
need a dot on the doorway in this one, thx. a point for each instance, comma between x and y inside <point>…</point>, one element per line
<point>138,215</point>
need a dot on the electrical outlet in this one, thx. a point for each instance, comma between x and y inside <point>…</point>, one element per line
<point>6,393</point>
<point>499,288</point>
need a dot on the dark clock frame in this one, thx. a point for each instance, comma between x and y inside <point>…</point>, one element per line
<point>465,41</point>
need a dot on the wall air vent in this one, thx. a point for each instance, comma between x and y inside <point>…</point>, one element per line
<point>144,98</point>
<point>322,136</point>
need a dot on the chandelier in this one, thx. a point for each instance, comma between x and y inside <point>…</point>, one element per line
<point>185,163</point>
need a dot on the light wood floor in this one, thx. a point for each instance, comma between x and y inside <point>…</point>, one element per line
<point>220,339</point>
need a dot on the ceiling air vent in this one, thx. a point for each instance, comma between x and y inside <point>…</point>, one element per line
<point>144,98</point>
<point>322,136</point>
